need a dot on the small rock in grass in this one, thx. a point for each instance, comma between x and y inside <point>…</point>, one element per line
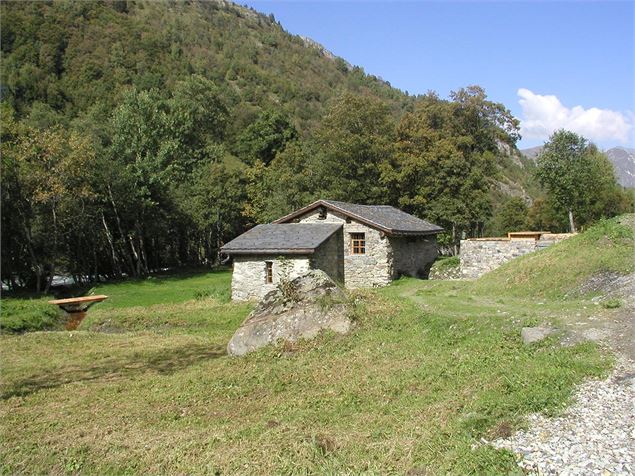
<point>536,334</point>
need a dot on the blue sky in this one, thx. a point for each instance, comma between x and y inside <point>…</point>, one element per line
<point>570,63</point>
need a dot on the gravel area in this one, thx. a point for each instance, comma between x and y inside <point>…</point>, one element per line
<point>594,436</point>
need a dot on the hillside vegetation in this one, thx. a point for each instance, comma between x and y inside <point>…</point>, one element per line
<point>431,368</point>
<point>62,59</point>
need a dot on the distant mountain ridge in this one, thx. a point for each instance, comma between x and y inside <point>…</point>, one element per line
<point>622,158</point>
<point>532,152</point>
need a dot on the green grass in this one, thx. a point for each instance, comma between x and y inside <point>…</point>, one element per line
<point>29,314</point>
<point>430,368</point>
<point>165,289</point>
<point>141,298</point>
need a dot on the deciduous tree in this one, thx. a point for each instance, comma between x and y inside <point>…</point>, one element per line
<point>579,179</point>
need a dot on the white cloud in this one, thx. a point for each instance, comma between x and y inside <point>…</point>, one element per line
<point>542,115</point>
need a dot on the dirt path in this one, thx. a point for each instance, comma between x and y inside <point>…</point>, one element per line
<point>596,434</point>
<point>614,328</point>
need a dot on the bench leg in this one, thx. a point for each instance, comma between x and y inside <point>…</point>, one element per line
<point>75,320</point>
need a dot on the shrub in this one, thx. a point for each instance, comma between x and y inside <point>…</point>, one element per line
<point>612,304</point>
<point>28,315</point>
<point>447,263</point>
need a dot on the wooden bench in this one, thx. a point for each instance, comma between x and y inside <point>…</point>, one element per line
<point>77,308</point>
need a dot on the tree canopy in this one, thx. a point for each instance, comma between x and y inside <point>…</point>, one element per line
<point>579,179</point>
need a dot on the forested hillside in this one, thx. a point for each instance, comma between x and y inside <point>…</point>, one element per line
<point>73,57</point>
<point>140,135</point>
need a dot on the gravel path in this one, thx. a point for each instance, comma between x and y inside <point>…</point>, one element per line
<point>595,436</point>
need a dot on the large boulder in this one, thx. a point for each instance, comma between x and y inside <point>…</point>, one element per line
<point>298,309</point>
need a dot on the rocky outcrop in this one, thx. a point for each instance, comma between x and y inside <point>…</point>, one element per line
<point>297,309</point>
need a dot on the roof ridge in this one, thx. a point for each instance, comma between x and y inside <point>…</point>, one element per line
<point>386,218</point>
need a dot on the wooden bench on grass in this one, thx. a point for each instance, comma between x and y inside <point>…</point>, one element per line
<point>77,308</point>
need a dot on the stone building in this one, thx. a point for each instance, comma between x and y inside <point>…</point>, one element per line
<point>356,245</point>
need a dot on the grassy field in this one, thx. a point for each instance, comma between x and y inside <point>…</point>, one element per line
<point>144,386</point>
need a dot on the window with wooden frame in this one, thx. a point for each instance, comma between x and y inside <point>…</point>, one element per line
<point>268,272</point>
<point>358,243</point>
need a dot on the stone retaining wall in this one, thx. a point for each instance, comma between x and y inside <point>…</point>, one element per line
<point>481,255</point>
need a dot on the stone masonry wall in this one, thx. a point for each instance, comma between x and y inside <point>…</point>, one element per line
<point>360,271</point>
<point>413,256</point>
<point>329,257</point>
<point>249,274</point>
<point>551,238</point>
<point>481,256</point>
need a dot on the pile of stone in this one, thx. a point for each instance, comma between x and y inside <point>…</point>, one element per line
<point>439,271</point>
<point>298,309</point>
<point>594,436</point>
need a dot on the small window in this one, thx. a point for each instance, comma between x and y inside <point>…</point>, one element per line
<point>268,272</point>
<point>358,243</point>
<point>322,213</point>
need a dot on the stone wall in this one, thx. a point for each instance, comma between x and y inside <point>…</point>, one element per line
<point>249,274</point>
<point>549,239</point>
<point>413,256</point>
<point>360,271</point>
<point>329,257</point>
<point>481,256</point>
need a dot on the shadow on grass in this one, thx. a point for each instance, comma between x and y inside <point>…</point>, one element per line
<point>164,361</point>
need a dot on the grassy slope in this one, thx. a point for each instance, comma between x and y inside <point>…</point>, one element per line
<point>430,368</point>
<point>29,314</point>
<point>558,270</point>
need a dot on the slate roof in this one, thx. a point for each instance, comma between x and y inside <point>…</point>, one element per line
<point>383,217</point>
<point>285,238</point>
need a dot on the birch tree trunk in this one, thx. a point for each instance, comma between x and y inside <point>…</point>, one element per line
<point>571,223</point>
